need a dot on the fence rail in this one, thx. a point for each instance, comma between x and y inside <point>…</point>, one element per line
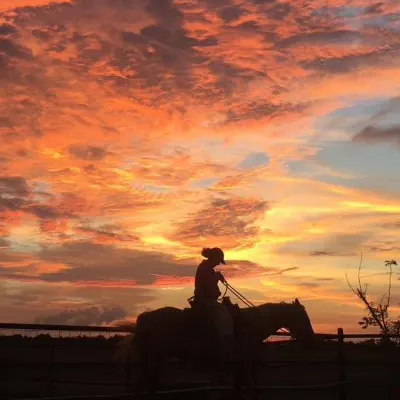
<point>71,328</point>
<point>116,329</point>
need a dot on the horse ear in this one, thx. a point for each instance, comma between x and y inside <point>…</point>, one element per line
<point>297,301</point>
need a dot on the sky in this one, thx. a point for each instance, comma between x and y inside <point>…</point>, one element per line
<point>135,133</point>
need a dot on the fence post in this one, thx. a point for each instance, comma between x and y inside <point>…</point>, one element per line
<point>390,350</point>
<point>128,373</point>
<point>342,363</point>
<point>51,368</point>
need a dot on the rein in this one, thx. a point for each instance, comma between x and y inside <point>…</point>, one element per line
<point>238,295</point>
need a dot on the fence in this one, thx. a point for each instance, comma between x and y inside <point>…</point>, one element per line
<point>13,328</point>
<point>341,361</point>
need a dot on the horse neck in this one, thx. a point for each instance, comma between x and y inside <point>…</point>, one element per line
<point>265,319</point>
<point>273,317</point>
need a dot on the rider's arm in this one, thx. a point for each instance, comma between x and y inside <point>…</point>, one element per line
<point>220,277</point>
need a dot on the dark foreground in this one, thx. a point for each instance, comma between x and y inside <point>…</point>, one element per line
<point>45,367</point>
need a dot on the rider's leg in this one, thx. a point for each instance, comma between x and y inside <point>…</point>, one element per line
<point>224,328</point>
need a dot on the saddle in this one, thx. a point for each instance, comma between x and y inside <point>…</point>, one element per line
<point>197,315</point>
<point>200,327</point>
<point>232,308</point>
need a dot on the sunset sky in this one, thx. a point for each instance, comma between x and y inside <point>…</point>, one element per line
<point>136,132</point>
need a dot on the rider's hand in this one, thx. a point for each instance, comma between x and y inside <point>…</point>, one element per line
<point>221,277</point>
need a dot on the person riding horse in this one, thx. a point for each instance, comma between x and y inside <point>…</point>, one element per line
<point>206,282</point>
<point>206,296</point>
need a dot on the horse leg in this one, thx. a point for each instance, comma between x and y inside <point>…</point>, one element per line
<point>154,378</point>
<point>141,377</point>
<point>253,393</point>
<point>245,378</point>
<point>148,371</point>
<point>155,363</point>
<point>222,362</point>
<point>238,379</point>
<point>243,382</point>
<point>253,365</point>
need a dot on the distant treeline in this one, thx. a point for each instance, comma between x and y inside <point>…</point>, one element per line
<point>48,340</point>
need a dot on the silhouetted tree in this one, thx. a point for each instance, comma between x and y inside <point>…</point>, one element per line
<point>377,313</point>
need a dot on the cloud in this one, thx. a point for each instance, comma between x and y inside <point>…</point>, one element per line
<point>225,222</point>
<point>166,13</point>
<point>254,160</point>
<point>247,269</point>
<point>44,212</point>
<point>88,153</point>
<point>176,39</point>
<point>329,245</point>
<point>320,253</point>
<point>230,13</point>
<point>11,204</point>
<point>14,196</point>
<point>38,299</point>
<point>308,285</point>
<point>241,179</point>
<point>7,29</point>
<point>13,186</point>
<point>280,10</point>
<point>375,134</point>
<point>7,5</point>
<point>253,111</point>
<point>94,315</point>
<point>384,246</point>
<point>103,265</point>
<point>174,169</point>
<point>108,234</point>
<point>391,225</point>
<point>17,199</point>
<point>341,37</point>
<point>14,50</point>
<point>380,57</point>
<point>376,8</point>
<point>88,261</point>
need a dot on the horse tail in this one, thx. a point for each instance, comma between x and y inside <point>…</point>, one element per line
<point>125,349</point>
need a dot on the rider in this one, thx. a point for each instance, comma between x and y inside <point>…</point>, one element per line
<point>206,282</point>
<point>206,294</point>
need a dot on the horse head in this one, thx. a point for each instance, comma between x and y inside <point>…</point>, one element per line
<point>298,322</point>
<point>291,316</point>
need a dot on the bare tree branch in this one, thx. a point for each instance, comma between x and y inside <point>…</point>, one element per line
<point>377,314</point>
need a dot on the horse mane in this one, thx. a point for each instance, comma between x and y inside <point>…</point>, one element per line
<point>277,308</point>
<point>282,304</point>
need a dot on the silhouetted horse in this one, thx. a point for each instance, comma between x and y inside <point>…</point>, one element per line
<point>171,332</point>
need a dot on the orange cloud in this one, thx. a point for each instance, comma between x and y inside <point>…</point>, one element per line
<point>9,5</point>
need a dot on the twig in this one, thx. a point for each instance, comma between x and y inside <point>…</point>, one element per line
<point>361,293</point>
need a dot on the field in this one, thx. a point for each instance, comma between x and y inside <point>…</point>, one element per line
<point>37,367</point>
